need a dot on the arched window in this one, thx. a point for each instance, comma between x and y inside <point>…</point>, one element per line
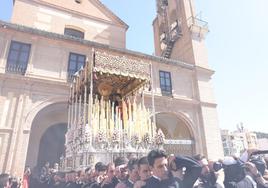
<point>74,33</point>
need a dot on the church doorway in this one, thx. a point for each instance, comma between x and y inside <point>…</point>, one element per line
<point>178,135</point>
<point>51,146</point>
<point>47,136</point>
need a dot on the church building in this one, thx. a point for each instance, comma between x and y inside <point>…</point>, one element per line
<point>47,41</point>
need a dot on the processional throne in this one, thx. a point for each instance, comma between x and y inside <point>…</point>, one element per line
<point>107,116</point>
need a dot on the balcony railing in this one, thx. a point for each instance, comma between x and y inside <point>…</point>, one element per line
<point>198,26</point>
<point>16,69</point>
<point>198,22</point>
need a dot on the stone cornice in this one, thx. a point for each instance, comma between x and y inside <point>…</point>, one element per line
<point>170,98</point>
<point>33,31</point>
<point>203,70</point>
<point>208,104</point>
<point>28,79</point>
<point>182,100</point>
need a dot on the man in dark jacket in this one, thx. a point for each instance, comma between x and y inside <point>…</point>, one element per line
<point>159,165</point>
<point>133,175</point>
<point>100,170</point>
<point>144,172</point>
<point>121,172</point>
<point>110,181</point>
<point>185,171</point>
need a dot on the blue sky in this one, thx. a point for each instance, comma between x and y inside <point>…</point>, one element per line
<point>237,46</point>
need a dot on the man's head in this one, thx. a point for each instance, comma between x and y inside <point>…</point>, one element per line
<point>82,176</point>
<point>111,170</point>
<point>132,167</point>
<point>158,163</point>
<point>121,168</point>
<point>100,169</point>
<point>120,161</point>
<point>144,169</point>
<point>205,173</point>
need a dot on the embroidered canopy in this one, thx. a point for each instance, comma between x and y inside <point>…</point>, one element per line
<point>122,66</point>
<point>117,74</point>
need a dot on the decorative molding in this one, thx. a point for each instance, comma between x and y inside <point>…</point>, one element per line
<point>170,99</point>
<point>46,34</point>
<point>29,79</point>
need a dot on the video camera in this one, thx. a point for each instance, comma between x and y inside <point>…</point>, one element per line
<point>258,160</point>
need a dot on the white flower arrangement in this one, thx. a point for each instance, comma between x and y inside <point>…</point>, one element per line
<point>135,140</point>
<point>115,137</point>
<point>101,137</point>
<point>159,138</point>
<point>146,139</point>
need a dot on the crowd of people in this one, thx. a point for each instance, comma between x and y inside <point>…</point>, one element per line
<point>156,170</point>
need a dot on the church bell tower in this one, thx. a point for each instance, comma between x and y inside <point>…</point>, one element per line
<point>178,33</point>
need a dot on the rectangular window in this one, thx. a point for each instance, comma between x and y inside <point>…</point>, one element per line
<point>18,57</point>
<point>76,61</point>
<point>165,82</point>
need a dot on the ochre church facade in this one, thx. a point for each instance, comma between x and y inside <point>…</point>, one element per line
<point>47,41</point>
